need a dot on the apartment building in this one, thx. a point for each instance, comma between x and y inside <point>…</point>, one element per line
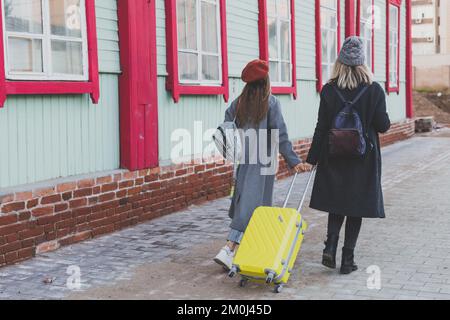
<point>430,31</point>
<point>444,26</point>
<point>431,43</point>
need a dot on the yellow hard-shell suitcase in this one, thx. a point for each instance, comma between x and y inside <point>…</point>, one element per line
<point>271,243</point>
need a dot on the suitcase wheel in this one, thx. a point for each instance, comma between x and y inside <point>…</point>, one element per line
<point>278,288</point>
<point>243,282</point>
<point>232,272</point>
<point>270,277</point>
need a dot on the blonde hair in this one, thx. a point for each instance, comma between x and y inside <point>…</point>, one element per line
<point>350,77</point>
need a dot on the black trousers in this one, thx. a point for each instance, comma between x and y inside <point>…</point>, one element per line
<point>352,228</point>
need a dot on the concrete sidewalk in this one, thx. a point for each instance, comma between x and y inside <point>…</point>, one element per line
<point>171,257</point>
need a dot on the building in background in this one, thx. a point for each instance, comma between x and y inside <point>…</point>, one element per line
<point>96,94</point>
<point>431,43</point>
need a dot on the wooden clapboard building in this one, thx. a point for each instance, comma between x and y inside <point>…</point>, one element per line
<point>95,95</point>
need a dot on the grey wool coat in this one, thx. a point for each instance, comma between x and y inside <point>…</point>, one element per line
<point>349,187</point>
<point>252,188</point>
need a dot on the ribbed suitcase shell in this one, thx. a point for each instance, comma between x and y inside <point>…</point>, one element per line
<point>267,242</point>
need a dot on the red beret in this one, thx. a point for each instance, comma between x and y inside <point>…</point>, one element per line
<point>255,70</point>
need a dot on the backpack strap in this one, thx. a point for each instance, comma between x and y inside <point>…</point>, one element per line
<point>358,96</point>
<point>339,94</point>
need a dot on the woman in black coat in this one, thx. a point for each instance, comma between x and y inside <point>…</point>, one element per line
<point>349,186</point>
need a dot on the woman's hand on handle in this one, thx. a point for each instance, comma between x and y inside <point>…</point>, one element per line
<point>302,167</point>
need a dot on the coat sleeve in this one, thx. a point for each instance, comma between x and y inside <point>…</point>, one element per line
<point>320,134</point>
<point>381,121</point>
<point>276,121</point>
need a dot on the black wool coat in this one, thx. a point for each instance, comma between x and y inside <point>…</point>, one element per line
<point>349,186</point>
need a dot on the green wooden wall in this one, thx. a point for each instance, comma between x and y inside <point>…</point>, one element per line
<point>242,28</point>
<point>46,137</point>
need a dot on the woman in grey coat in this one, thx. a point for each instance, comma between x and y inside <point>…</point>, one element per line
<point>259,118</point>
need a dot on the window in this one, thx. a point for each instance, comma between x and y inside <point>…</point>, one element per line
<point>50,46</point>
<point>365,29</point>
<point>45,40</point>
<point>327,38</point>
<point>277,43</point>
<point>196,34</point>
<point>393,51</point>
<point>198,41</point>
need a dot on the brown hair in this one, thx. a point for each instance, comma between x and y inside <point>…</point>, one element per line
<point>253,103</point>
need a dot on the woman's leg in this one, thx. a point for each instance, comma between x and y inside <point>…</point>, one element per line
<point>234,238</point>
<point>352,228</point>
<point>334,227</point>
<point>335,222</point>
<point>226,254</point>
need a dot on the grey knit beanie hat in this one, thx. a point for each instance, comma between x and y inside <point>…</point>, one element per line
<point>352,52</point>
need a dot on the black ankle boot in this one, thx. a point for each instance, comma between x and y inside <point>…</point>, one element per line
<point>348,264</point>
<point>329,253</point>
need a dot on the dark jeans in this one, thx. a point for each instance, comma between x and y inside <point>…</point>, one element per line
<point>352,228</point>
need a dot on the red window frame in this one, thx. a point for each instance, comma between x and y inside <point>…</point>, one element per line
<point>389,87</point>
<point>319,84</point>
<point>172,81</point>
<point>92,87</point>
<point>358,28</point>
<point>264,47</point>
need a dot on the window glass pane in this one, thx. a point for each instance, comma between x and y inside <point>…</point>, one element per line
<point>325,74</point>
<point>67,57</point>
<point>393,80</point>
<point>393,16</point>
<point>209,28</point>
<point>25,55</point>
<point>394,59</point>
<point>273,43</point>
<point>324,18</point>
<point>366,9</point>
<point>23,15</point>
<point>332,23</point>
<point>285,41</point>
<point>332,41</point>
<point>187,24</point>
<point>367,30</point>
<point>65,18</point>
<point>210,68</point>
<point>328,3</point>
<point>285,72</point>
<point>273,71</point>
<point>283,8</point>
<point>324,45</point>
<point>271,9</point>
<point>368,46</point>
<point>188,66</point>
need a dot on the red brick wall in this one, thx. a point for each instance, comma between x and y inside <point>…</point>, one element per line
<point>44,219</point>
<point>398,131</point>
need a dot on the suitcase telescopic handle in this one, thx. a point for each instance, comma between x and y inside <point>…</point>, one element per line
<point>304,193</point>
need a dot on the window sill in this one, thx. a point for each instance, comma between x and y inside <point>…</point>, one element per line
<point>393,90</point>
<point>49,87</point>
<point>180,90</point>
<point>285,90</point>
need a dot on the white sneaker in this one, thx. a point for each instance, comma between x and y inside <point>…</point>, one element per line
<point>225,257</point>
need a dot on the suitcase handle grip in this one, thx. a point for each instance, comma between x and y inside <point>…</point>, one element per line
<point>304,193</point>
